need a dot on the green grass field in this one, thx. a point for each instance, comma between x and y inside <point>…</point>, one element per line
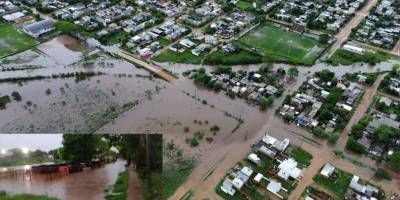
<point>4,196</point>
<point>244,5</point>
<point>281,45</point>
<point>12,40</point>
<point>186,57</point>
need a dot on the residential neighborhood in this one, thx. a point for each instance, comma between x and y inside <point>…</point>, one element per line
<point>254,99</point>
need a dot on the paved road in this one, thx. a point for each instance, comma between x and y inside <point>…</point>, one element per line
<point>150,67</point>
<point>344,33</point>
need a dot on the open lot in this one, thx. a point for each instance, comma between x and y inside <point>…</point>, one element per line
<point>281,45</point>
<point>11,40</point>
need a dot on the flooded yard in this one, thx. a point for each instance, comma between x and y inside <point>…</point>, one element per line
<point>87,185</point>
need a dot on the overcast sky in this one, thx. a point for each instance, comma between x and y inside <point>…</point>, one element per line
<point>43,142</point>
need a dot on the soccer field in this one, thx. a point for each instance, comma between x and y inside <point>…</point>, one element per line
<point>11,40</point>
<point>282,45</point>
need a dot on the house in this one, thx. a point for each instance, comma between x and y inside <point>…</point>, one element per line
<point>327,170</point>
<point>39,28</point>
<point>187,43</point>
<point>275,187</point>
<point>384,120</point>
<point>275,143</point>
<point>227,187</point>
<point>361,191</point>
<point>288,170</point>
<point>254,158</point>
<point>353,49</point>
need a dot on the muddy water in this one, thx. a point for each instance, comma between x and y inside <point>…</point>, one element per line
<point>86,185</point>
<point>172,110</point>
<point>64,49</point>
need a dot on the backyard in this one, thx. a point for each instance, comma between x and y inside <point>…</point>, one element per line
<point>13,41</point>
<point>281,45</point>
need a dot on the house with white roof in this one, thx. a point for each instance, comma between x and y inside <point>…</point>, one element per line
<point>288,170</point>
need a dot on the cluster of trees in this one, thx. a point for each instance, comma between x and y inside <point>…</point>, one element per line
<point>201,77</point>
<point>394,73</point>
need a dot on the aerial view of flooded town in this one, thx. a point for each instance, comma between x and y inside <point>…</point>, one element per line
<point>200,99</point>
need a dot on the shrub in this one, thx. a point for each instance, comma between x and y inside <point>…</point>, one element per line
<point>354,146</point>
<point>382,174</point>
<point>194,142</point>
<point>333,138</point>
<point>214,128</point>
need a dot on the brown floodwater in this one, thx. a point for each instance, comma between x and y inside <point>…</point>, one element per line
<point>87,185</point>
<point>64,49</point>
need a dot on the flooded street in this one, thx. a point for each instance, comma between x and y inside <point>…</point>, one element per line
<point>86,185</point>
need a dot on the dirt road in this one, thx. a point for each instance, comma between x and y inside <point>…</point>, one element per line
<point>134,191</point>
<point>344,33</point>
<point>396,49</point>
<point>360,111</point>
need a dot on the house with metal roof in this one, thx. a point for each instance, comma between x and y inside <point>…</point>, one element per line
<point>39,28</point>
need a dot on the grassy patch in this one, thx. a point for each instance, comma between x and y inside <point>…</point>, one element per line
<point>302,157</point>
<point>244,5</point>
<point>153,189</point>
<point>240,57</point>
<point>175,174</point>
<point>4,196</point>
<point>280,45</point>
<point>119,190</point>
<point>344,57</point>
<point>13,41</point>
<point>186,57</point>
<point>164,42</point>
<point>337,185</point>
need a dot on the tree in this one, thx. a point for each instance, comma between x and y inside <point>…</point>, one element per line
<point>394,161</point>
<point>323,38</point>
<point>333,138</point>
<point>80,148</point>
<point>354,146</point>
<point>395,69</point>
<point>266,102</point>
<point>383,134</point>
<point>293,72</point>
<point>281,71</point>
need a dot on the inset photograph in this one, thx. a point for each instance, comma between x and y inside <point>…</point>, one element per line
<point>81,166</point>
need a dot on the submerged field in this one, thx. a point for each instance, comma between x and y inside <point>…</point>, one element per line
<point>281,45</point>
<point>12,40</point>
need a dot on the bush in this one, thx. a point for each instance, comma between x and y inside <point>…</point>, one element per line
<point>266,102</point>
<point>382,174</point>
<point>333,138</point>
<point>4,100</point>
<point>16,96</point>
<point>214,128</point>
<point>231,94</point>
<point>194,142</point>
<point>354,146</point>
<point>319,132</point>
